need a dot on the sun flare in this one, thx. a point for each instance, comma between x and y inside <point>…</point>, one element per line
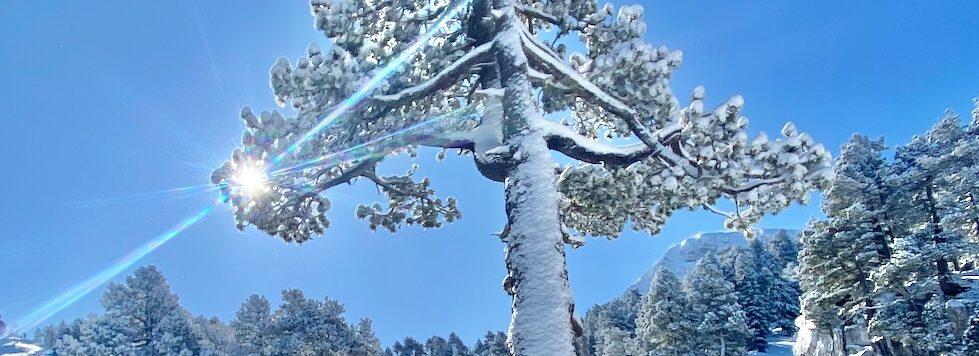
<point>252,179</point>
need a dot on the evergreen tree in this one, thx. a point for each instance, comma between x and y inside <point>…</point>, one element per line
<point>253,327</point>
<point>365,343</point>
<point>306,326</point>
<point>839,254</point>
<point>487,67</point>
<point>144,315</point>
<point>786,292</point>
<point>437,346</point>
<point>216,338</point>
<point>620,313</point>
<point>457,346</point>
<point>665,325</point>
<point>784,251</point>
<point>492,344</point>
<point>3,326</point>
<point>918,181</point>
<point>721,323</point>
<point>408,347</point>
<point>618,342</point>
<point>753,284</point>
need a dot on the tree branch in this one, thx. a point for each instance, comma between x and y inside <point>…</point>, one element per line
<point>443,79</point>
<point>588,90</point>
<point>562,139</point>
<point>751,185</point>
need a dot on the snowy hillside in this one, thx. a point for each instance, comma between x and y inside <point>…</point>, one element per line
<point>683,256</point>
<point>17,347</point>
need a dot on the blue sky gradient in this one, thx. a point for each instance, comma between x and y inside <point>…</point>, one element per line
<point>107,99</point>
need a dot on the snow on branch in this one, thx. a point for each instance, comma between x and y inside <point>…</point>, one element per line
<point>562,139</point>
<point>443,79</point>
<point>588,90</point>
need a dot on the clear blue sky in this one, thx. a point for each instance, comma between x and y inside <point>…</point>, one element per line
<point>110,98</point>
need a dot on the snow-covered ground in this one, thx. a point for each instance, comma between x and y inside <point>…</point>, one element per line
<point>778,346</point>
<point>17,347</point>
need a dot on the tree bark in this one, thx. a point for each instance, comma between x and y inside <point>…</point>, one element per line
<point>535,259</point>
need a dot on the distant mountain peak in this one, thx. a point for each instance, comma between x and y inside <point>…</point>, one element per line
<point>681,257</point>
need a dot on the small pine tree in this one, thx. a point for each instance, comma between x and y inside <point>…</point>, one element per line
<point>143,314</point>
<point>365,343</point>
<point>216,337</point>
<point>493,344</point>
<point>408,347</point>
<point>753,283</point>
<point>665,325</point>
<point>721,327</point>
<point>253,327</point>
<point>308,326</point>
<point>437,346</point>
<point>618,342</point>
<point>457,346</point>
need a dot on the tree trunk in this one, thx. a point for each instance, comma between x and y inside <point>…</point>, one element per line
<point>947,287</point>
<point>535,260</point>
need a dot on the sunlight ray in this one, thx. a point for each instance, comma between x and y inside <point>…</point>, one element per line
<point>53,306</point>
<point>391,68</point>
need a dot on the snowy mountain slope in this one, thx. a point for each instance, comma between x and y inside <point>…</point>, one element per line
<point>17,347</point>
<point>683,256</point>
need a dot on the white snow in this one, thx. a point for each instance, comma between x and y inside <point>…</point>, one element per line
<point>778,346</point>
<point>17,347</point>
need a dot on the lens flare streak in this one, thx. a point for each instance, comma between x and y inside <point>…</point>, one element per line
<point>58,304</point>
<point>392,67</point>
<point>363,150</point>
<point>61,302</point>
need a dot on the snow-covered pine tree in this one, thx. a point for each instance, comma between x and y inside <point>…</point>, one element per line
<point>963,191</point>
<point>216,337</point>
<point>3,326</point>
<point>437,346</point>
<point>619,313</point>
<point>305,326</point>
<point>839,254</point>
<point>252,327</point>
<point>727,258</point>
<point>408,347</point>
<point>618,342</point>
<point>920,171</point>
<point>753,282</point>
<point>721,322</point>
<point>493,58</point>
<point>784,251</point>
<point>785,292</point>
<point>665,325</point>
<point>904,284</point>
<point>365,343</point>
<point>457,346</point>
<point>492,344</point>
<point>144,316</point>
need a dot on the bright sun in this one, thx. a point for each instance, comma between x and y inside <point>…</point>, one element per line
<point>251,178</point>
